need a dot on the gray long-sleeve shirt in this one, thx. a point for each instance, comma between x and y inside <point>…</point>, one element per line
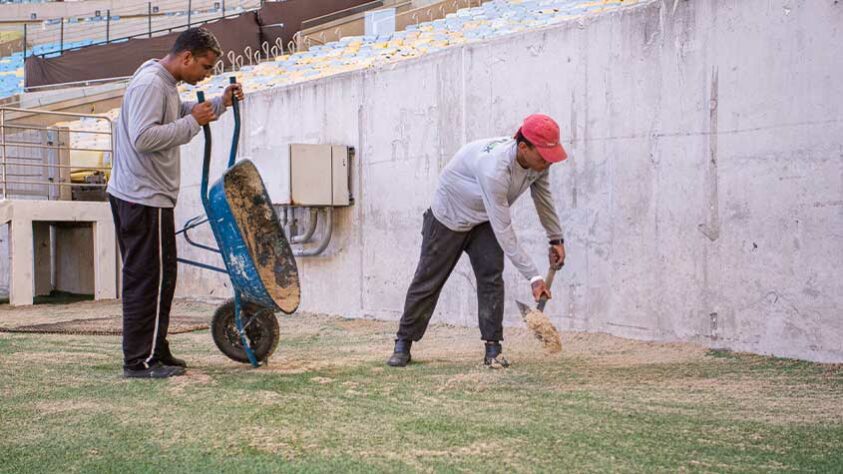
<point>152,125</point>
<point>480,184</point>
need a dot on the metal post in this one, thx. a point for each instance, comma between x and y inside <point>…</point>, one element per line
<point>149,17</point>
<point>107,25</point>
<point>189,11</point>
<point>61,37</point>
<point>223,8</point>
<point>24,41</point>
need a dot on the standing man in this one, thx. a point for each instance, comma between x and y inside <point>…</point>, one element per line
<point>471,213</point>
<point>143,189</point>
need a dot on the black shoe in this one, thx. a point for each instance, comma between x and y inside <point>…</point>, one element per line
<point>163,355</point>
<point>173,361</point>
<point>493,358</point>
<point>401,354</point>
<point>155,371</point>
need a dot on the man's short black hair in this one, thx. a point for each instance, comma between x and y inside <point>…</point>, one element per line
<point>198,41</point>
<point>519,137</point>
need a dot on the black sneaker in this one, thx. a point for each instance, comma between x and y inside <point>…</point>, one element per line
<point>155,371</point>
<point>493,358</point>
<point>401,354</point>
<point>164,356</point>
<point>173,361</point>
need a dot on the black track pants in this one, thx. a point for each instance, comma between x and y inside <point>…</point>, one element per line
<point>147,240</point>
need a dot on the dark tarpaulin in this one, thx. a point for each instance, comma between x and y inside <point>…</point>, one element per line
<point>292,13</point>
<point>122,59</point>
<point>235,34</point>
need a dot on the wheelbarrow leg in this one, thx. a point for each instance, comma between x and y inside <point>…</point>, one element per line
<point>240,329</point>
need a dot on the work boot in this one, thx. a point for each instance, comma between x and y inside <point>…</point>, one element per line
<point>401,353</point>
<point>494,359</point>
<point>154,371</point>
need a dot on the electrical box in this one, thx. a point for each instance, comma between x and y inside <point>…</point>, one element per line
<point>319,175</point>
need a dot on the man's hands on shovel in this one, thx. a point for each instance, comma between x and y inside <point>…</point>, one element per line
<point>540,289</point>
<point>556,257</point>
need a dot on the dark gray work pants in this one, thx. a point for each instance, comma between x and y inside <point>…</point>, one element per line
<point>441,249</point>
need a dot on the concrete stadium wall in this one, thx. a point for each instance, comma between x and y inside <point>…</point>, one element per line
<point>702,200</point>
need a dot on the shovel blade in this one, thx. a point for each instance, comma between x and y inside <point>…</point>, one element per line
<point>524,308</point>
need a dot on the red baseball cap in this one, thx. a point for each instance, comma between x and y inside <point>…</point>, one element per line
<point>543,132</point>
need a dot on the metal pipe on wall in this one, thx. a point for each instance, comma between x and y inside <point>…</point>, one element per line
<point>311,228</point>
<point>326,236</point>
<point>289,223</point>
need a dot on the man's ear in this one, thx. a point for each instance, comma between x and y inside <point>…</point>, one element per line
<point>186,56</point>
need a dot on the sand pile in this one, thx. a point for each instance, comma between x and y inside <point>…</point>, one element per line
<point>544,331</point>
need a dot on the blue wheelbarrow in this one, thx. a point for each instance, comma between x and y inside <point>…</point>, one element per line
<point>257,255</point>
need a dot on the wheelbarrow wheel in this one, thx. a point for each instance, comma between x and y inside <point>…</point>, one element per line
<point>261,329</point>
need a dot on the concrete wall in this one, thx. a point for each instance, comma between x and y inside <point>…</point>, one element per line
<point>703,196</point>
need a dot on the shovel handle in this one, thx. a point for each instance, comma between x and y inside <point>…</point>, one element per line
<point>551,273</point>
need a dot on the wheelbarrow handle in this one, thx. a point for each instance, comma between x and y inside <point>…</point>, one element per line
<point>235,105</point>
<point>206,163</point>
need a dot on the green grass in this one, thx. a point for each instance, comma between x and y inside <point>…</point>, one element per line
<point>64,408</point>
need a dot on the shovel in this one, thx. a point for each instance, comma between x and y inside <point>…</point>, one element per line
<point>539,323</point>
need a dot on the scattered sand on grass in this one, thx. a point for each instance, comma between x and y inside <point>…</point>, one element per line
<point>544,331</point>
<point>416,456</point>
<point>53,357</point>
<point>192,378</point>
<point>363,341</point>
<point>17,316</point>
<point>612,351</point>
<point>62,406</point>
<point>307,362</point>
<point>475,382</point>
<point>664,377</point>
<point>275,440</point>
<point>477,448</point>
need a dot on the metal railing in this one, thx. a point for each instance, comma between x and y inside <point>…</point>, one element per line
<point>54,155</point>
<point>142,19</point>
<point>129,28</point>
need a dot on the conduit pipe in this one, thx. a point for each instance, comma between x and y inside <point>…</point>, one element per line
<point>328,228</point>
<point>289,223</point>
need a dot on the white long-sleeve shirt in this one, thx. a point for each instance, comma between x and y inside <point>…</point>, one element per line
<point>480,184</point>
<point>153,123</point>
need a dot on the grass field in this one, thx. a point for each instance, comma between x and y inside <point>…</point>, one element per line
<point>327,403</point>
